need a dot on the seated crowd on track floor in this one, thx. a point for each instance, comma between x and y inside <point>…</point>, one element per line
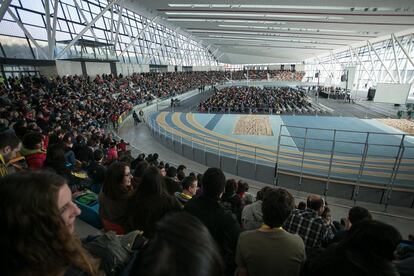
<point>168,220</point>
<point>245,99</point>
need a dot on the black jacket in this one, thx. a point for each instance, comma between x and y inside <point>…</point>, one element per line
<point>221,224</point>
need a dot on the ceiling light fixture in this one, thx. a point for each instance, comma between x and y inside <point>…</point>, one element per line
<point>268,39</point>
<point>264,39</point>
<point>248,6</point>
<point>287,29</point>
<point>225,20</point>
<point>257,14</point>
<point>288,7</point>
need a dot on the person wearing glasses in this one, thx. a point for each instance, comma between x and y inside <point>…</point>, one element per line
<point>116,191</point>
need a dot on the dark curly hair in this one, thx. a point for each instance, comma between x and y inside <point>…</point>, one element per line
<point>276,207</point>
<point>34,238</point>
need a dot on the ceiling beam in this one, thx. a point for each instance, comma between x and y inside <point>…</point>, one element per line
<point>4,6</point>
<point>121,8</point>
<point>403,49</point>
<point>84,18</point>
<point>395,59</point>
<point>382,62</point>
<point>53,42</point>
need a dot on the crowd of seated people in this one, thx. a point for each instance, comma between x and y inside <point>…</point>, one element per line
<point>169,222</point>
<point>172,83</point>
<point>273,75</point>
<point>82,103</point>
<point>246,99</point>
<point>217,227</point>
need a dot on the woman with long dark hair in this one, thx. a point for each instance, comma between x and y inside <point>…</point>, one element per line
<point>150,203</point>
<point>115,193</point>
<point>37,234</point>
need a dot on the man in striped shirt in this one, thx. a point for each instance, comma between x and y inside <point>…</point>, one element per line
<point>310,226</point>
<point>10,145</point>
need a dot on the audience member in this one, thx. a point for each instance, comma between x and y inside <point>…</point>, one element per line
<point>231,201</point>
<point>34,150</point>
<point>270,250</point>
<point>139,172</point>
<point>190,188</point>
<point>302,205</point>
<point>38,231</point>
<point>96,170</point>
<point>116,191</point>
<point>181,246</point>
<point>10,145</point>
<point>367,250</point>
<point>310,226</point>
<point>355,215</point>
<point>222,226</point>
<point>150,203</point>
<point>242,192</point>
<point>252,217</point>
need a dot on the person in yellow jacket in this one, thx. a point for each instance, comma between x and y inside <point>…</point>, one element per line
<point>10,145</point>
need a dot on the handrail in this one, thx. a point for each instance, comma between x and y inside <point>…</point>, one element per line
<point>257,153</point>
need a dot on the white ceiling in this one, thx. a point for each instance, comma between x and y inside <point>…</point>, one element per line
<point>279,31</point>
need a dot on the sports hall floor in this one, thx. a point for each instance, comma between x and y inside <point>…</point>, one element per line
<point>216,134</point>
<point>141,140</point>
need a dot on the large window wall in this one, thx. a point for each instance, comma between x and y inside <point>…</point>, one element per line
<point>27,31</point>
<point>387,61</point>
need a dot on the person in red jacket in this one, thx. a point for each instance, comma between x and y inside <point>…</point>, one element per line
<point>122,146</point>
<point>112,153</point>
<point>34,149</point>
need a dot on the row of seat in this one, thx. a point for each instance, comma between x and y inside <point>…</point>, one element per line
<point>88,203</point>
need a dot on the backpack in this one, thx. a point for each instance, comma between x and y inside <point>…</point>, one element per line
<point>115,251</point>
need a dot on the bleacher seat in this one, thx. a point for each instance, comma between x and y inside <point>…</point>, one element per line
<point>87,201</point>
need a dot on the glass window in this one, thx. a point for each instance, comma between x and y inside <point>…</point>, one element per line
<point>44,46</point>
<point>34,5</point>
<point>78,28</point>
<point>62,36</point>
<point>63,25</point>
<point>16,47</point>
<point>100,23</point>
<point>73,13</point>
<point>15,3</point>
<point>88,16</point>
<point>94,8</point>
<point>10,28</point>
<point>37,32</point>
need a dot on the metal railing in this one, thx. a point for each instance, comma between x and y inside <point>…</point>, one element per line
<point>222,147</point>
<point>385,160</point>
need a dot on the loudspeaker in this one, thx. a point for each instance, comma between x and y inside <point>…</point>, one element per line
<point>317,75</point>
<point>343,77</point>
